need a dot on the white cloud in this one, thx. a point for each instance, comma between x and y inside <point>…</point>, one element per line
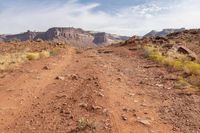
<point>131,20</point>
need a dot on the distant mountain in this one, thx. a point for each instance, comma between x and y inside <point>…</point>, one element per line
<point>163,33</point>
<point>2,38</point>
<point>74,36</point>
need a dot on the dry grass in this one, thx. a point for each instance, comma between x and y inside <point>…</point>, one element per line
<point>8,61</point>
<point>177,61</point>
<point>11,60</point>
<point>84,123</point>
<point>32,56</point>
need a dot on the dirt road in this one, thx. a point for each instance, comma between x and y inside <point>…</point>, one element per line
<point>108,89</point>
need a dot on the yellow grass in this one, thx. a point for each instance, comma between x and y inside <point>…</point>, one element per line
<point>11,60</point>
<point>179,61</point>
<point>32,56</point>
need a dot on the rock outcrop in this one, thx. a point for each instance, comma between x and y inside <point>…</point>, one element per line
<point>22,37</point>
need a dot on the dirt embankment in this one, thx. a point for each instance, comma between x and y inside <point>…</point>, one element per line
<point>109,89</point>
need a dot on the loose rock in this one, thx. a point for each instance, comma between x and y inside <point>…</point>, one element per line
<point>60,78</point>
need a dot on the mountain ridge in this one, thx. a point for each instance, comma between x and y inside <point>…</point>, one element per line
<point>71,35</point>
<point>163,33</point>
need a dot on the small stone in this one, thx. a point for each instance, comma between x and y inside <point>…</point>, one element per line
<point>174,129</point>
<point>131,94</point>
<point>96,107</point>
<point>38,78</point>
<point>135,115</point>
<point>100,94</point>
<point>124,118</point>
<point>119,79</point>
<point>169,88</point>
<point>74,77</point>
<point>143,121</point>
<point>61,96</point>
<point>159,85</point>
<point>46,68</point>
<point>83,105</point>
<point>105,111</point>
<point>144,105</point>
<point>125,109</point>
<point>145,113</point>
<point>60,78</point>
<point>141,82</point>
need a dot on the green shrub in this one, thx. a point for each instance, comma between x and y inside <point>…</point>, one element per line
<point>53,52</point>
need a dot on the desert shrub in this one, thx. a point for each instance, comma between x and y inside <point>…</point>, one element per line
<point>32,55</point>
<point>183,83</point>
<point>10,60</point>
<point>53,52</point>
<point>83,123</point>
<point>38,55</point>
<point>177,61</point>
<point>44,54</point>
<point>150,51</point>
<point>191,67</point>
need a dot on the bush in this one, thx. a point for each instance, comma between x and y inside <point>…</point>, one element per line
<point>11,60</point>
<point>150,51</point>
<point>53,52</point>
<point>83,123</point>
<point>192,67</point>
<point>44,54</point>
<point>32,56</point>
<point>182,63</point>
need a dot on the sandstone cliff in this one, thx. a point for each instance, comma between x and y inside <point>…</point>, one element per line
<point>74,36</point>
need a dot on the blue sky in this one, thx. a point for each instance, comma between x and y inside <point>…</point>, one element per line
<point>125,17</point>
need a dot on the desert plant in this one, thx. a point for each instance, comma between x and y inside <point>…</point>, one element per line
<point>83,123</point>
<point>44,54</point>
<point>11,60</point>
<point>53,52</point>
<point>32,55</point>
<point>152,52</point>
<point>177,61</point>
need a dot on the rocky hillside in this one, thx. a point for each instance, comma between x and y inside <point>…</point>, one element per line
<point>162,33</point>
<point>74,36</point>
<point>189,38</point>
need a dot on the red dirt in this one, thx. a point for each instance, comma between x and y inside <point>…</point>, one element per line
<point>116,89</point>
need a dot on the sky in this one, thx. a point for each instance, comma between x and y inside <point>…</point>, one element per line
<point>124,17</point>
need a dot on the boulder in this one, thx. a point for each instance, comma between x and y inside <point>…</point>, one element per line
<point>186,51</point>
